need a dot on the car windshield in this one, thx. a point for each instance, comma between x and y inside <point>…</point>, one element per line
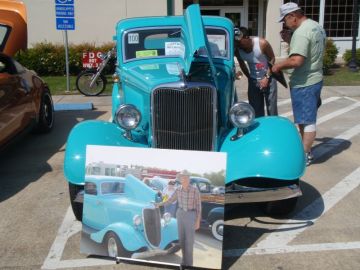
<point>112,188</point>
<point>168,42</point>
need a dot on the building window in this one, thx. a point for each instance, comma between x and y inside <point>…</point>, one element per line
<point>339,18</point>
<point>311,8</point>
<point>96,171</point>
<point>253,17</point>
<point>338,15</point>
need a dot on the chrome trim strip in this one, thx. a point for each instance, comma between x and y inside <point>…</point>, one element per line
<point>182,86</point>
<point>250,195</point>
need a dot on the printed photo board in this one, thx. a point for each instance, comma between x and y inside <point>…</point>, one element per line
<point>157,205</point>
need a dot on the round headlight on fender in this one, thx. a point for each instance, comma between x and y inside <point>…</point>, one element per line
<point>137,220</point>
<point>128,117</point>
<point>241,114</point>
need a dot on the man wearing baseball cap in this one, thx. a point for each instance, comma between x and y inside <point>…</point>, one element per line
<point>305,62</point>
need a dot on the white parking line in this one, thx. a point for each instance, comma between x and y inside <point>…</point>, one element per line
<point>337,113</point>
<point>278,242</point>
<point>68,228</point>
<point>328,200</point>
<point>285,237</point>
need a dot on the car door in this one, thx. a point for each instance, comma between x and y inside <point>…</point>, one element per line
<point>94,214</point>
<point>14,100</point>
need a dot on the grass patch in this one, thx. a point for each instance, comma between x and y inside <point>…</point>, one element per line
<point>57,85</point>
<point>342,76</point>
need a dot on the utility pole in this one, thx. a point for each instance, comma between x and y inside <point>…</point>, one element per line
<point>170,7</point>
<point>352,64</point>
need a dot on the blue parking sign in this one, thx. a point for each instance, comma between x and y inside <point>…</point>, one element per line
<point>65,13</point>
<point>65,23</point>
<point>64,2</point>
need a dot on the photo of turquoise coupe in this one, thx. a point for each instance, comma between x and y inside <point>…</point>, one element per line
<point>174,89</point>
<point>119,213</point>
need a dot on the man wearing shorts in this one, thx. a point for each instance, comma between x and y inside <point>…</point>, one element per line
<point>306,79</point>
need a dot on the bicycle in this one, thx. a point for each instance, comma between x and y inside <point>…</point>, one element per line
<point>91,82</point>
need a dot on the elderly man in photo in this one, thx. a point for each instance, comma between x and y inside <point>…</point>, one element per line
<point>188,215</point>
<point>306,79</point>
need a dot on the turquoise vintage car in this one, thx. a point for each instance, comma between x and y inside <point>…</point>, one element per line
<point>119,213</point>
<point>177,91</point>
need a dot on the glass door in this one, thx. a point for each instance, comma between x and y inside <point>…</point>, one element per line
<point>236,14</point>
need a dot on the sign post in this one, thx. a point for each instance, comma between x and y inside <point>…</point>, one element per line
<point>65,20</point>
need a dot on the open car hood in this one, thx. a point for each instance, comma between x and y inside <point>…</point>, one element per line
<point>13,27</point>
<point>197,40</point>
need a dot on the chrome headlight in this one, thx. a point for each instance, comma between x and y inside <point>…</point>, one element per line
<point>128,117</point>
<point>241,115</point>
<point>167,217</point>
<point>137,220</point>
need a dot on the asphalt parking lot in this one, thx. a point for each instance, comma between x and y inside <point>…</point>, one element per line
<point>38,230</point>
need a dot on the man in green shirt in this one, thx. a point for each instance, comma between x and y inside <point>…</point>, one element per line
<point>306,77</point>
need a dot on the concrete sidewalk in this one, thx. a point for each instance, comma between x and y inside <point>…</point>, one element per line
<point>97,101</point>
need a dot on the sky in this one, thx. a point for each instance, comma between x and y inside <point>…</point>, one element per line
<point>193,161</point>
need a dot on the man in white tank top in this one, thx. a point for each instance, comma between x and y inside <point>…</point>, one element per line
<point>262,88</point>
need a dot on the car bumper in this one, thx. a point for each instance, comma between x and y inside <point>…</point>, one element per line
<point>242,194</point>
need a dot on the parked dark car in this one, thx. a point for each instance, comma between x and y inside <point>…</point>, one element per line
<point>25,99</point>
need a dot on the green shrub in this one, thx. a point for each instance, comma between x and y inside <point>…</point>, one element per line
<point>330,55</point>
<point>348,55</point>
<point>48,59</point>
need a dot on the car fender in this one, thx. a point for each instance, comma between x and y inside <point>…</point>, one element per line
<point>130,238</point>
<point>93,132</point>
<point>169,233</point>
<point>215,214</point>
<point>271,148</point>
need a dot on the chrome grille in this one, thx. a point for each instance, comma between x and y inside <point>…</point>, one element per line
<point>152,225</point>
<point>184,118</point>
